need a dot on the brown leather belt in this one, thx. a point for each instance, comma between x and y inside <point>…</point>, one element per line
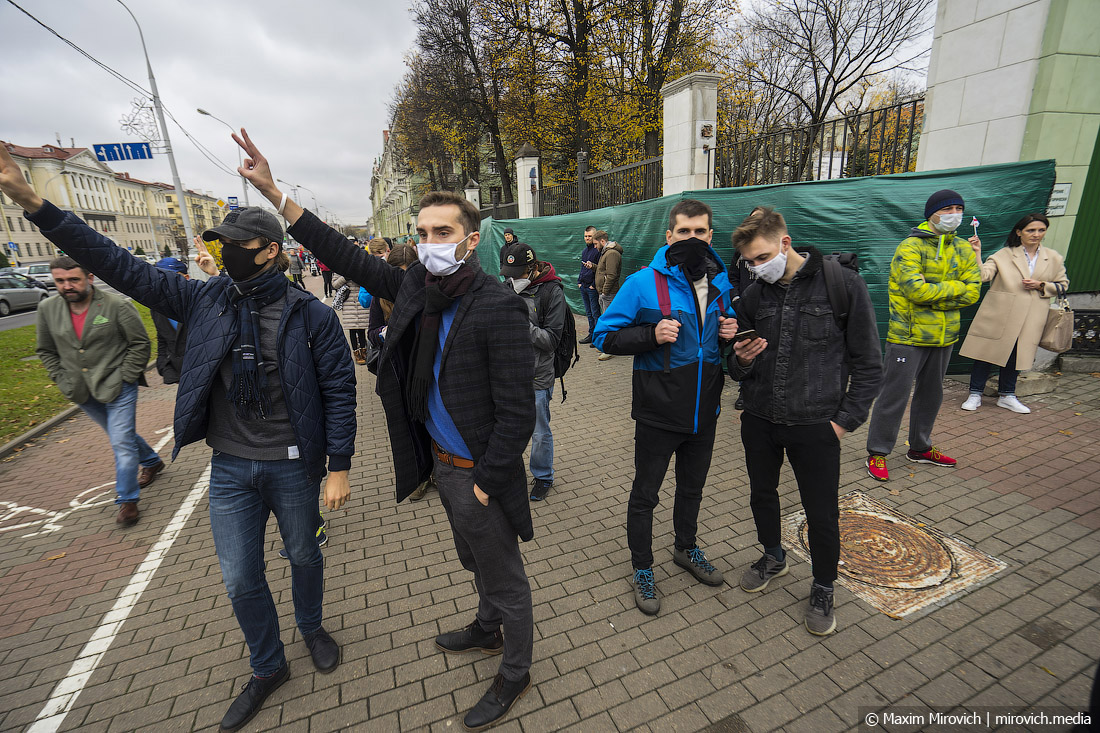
<point>449,459</point>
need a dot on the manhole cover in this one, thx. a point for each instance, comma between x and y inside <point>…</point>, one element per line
<point>879,550</point>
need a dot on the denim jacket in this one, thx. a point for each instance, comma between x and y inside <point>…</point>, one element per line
<point>812,371</point>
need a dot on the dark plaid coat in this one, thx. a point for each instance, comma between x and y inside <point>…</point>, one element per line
<point>486,377</point>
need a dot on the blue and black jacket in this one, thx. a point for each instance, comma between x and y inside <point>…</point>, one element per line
<point>686,399</point>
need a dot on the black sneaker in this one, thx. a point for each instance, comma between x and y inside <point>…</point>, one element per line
<point>586,340</point>
<point>251,699</point>
<point>541,489</point>
<point>472,638</point>
<point>496,702</point>
<point>324,650</point>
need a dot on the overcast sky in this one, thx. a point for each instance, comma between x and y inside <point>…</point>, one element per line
<point>311,81</point>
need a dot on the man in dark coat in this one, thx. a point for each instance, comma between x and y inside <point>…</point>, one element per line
<point>456,377</point>
<point>171,335</point>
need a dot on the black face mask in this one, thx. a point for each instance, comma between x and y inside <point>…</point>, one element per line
<point>240,263</point>
<point>691,255</point>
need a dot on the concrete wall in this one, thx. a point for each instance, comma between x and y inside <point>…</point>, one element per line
<point>1015,80</point>
<point>689,102</point>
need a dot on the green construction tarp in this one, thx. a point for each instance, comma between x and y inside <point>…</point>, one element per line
<point>868,216</point>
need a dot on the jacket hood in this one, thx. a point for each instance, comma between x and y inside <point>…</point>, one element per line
<point>545,274</point>
<point>814,258</point>
<point>925,231</point>
<point>613,245</point>
<point>659,263</point>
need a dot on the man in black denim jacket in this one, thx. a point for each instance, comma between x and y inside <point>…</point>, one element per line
<point>809,377</point>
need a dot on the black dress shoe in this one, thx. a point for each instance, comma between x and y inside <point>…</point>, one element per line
<point>591,345</point>
<point>586,340</point>
<point>471,638</point>
<point>251,699</point>
<point>496,702</point>
<point>324,650</point>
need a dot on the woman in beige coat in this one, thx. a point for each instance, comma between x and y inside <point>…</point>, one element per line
<point>1024,276</point>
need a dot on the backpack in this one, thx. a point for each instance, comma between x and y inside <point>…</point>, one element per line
<point>568,353</point>
<point>664,302</point>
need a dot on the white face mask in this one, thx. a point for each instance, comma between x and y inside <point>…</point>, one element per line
<point>439,258</point>
<point>520,283</point>
<point>949,222</point>
<point>772,270</point>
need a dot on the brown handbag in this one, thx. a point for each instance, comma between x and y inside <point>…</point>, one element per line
<point>1058,331</point>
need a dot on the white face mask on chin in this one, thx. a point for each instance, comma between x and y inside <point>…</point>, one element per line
<point>439,258</point>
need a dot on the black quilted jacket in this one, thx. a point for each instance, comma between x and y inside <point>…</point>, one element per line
<point>315,365</point>
<point>486,377</point>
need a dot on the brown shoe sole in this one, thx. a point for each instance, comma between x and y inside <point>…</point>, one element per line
<point>483,650</point>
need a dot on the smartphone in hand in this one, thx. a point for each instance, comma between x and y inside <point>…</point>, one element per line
<point>748,335</point>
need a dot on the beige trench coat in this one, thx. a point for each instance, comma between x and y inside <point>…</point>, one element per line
<point>1010,315</point>
<point>352,315</point>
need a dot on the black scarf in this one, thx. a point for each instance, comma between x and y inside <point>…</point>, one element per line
<point>246,392</point>
<point>693,256</point>
<point>440,293</point>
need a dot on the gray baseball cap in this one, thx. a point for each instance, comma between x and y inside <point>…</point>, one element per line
<point>246,223</point>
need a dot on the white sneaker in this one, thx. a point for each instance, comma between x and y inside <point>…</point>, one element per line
<point>973,402</point>
<point>1009,402</point>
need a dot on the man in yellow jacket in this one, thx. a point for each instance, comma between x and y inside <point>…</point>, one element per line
<point>933,276</point>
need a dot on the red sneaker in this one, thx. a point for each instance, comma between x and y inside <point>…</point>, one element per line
<point>933,456</point>
<point>876,468</point>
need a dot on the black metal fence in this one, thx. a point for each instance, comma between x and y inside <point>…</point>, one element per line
<point>559,199</point>
<point>870,143</point>
<point>501,211</point>
<point>620,185</point>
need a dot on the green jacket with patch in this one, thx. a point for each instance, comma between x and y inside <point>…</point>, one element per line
<point>932,277</point>
<point>114,347</point>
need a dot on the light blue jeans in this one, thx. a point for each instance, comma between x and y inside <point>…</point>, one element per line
<point>243,494</point>
<point>542,440</point>
<point>119,419</point>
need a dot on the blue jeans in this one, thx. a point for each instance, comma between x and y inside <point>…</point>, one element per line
<point>542,440</point>
<point>591,299</point>
<point>1006,376</point>
<point>119,419</point>
<point>243,494</point>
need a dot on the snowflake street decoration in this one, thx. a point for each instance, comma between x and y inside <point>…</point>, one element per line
<point>140,121</point>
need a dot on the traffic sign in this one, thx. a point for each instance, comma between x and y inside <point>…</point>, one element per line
<point>232,203</point>
<point>13,247</point>
<point>123,151</point>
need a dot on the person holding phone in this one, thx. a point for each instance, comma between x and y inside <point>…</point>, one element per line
<point>793,356</point>
<point>675,317</point>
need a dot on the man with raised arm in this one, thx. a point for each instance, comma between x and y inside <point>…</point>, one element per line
<point>456,378</point>
<point>267,380</point>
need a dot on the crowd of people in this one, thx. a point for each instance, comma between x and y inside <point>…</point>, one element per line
<point>465,366</point>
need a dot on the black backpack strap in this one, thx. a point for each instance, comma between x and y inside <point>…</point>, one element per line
<point>838,293</point>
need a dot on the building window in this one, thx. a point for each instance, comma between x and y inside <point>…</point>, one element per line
<point>22,228</point>
<point>491,167</point>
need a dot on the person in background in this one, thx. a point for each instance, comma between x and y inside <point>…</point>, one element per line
<point>296,267</point>
<point>586,281</point>
<point>933,276</point>
<point>1008,326</point>
<point>326,276</point>
<point>608,274</point>
<point>171,335</point>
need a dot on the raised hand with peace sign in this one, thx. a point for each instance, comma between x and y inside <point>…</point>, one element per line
<point>203,258</point>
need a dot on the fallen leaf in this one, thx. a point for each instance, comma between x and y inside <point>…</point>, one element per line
<point>994,434</point>
<point>1047,671</point>
<point>1078,414</point>
<point>895,492</point>
<point>63,440</point>
<point>921,524</point>
<point>1066,432</point>
<point>56,557</point>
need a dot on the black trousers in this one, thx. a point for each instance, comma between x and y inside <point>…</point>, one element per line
<point>326,276</point>
<point>653,449</point>
<point>358,337</point>
<point>814,452</point>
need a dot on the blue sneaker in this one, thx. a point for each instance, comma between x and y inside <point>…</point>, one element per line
<point>322,540</point>
<point>645,592</point>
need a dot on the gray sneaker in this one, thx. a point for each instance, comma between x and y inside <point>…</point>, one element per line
<point>761,572</point>
<point>645,592</point>
<point>695,562</point>
<point>820,620</point>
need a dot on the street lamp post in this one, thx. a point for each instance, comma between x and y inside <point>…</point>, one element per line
<point>240,163</point>
<point>180,198</point>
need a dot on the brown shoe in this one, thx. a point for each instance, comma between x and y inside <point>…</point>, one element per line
<point>148,474</point>
<point>360,356</point>
<point>128,514</point>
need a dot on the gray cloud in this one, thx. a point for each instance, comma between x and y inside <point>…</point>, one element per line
<point>310,80</point>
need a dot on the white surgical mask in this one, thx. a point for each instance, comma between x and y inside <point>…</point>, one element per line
<point>949,222</point>
<point>439,258</point>
<point>520,283</point>
<point>772,270</point>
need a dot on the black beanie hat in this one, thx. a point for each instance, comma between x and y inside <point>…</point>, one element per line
<point>940,199</point>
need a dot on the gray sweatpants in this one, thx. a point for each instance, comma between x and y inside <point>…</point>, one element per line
<point>902,367</point>
<point>489,548</point>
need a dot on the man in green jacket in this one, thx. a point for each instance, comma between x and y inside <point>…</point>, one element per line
<point>95,348</point>
<point>933,276</point>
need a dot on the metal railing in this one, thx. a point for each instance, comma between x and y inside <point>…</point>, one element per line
<point>559,199</point>
<point>502,211</point>
<point>871,143</point>
<point>626,183</point>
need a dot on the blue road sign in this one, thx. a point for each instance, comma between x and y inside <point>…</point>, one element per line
<point>232,202</point>
<point>13,247</point>
<point>123,151</point>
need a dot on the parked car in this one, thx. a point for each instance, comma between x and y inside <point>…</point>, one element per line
<point>41,272</point>
<point>17,293</point>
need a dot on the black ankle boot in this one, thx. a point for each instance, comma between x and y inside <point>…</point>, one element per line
<point>251,699</point>
<point>496,702</point>
<point>471,638</point>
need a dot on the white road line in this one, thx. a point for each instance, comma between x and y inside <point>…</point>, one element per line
<point>69,688</point>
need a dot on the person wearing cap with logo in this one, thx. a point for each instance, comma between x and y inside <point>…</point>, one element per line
<point>267,380</point>
<point>456,379</point>
<point>541,289</point>
<point>933,276</point>
<point>675,317</point>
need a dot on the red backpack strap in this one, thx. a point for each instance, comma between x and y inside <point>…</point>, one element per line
<point>660,280</point>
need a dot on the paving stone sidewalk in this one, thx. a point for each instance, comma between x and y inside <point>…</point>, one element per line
<point>715,658</point>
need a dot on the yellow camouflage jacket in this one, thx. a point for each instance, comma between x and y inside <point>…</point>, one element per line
<point>932,277</point>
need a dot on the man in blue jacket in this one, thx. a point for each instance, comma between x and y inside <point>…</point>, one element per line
<point>586,281</point>
<point>267,380</point>
<point>675,318</point>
